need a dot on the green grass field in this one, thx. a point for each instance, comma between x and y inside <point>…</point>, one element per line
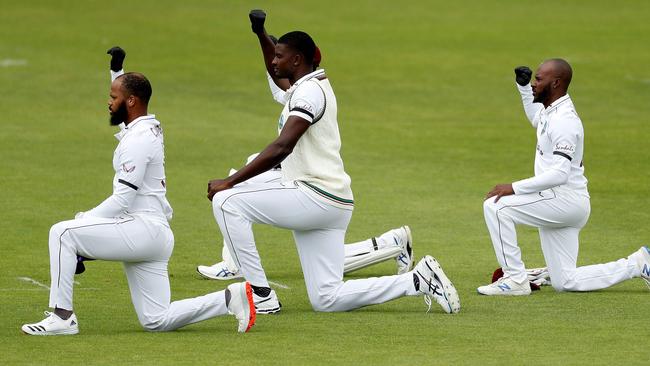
<point>430,121</point>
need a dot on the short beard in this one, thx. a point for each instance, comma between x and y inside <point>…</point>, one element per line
<point>119,115</point>
<point>542,96</point>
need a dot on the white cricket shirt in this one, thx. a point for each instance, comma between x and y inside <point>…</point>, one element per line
<point>560,145</point>
<point>315,163</point>
<point>139,183</point>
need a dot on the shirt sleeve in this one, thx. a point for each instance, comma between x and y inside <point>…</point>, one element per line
<point>308,102</point>
<point>115,74</point>
<point>133,159</point>
<point>278,94</point>
<point>532,109</point>
<point>549,179</point>
<point>564,146</point>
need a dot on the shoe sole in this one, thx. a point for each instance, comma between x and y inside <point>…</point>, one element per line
<point>451,295</point>
<point>251,313</point>
<point>269,311</point>
<point>210,277</point>
<point>409,245</point>
<point>504,293</point>
<point>51,333</point>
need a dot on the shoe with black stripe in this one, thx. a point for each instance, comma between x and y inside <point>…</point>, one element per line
<point>430,280</point>
<point>404,240</point>
<point>268,304</point>
<point>52,325</point>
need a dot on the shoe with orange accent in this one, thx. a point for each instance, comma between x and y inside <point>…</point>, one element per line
<point>241,305</point>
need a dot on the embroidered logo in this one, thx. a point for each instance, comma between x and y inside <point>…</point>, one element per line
<point>281,122</point>
<point>565,148</point>
<point>126,169</point>
<point>304,106</point>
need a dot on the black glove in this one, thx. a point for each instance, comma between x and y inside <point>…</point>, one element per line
<point>523,74</point>
<point>117,58</point>
<point>257,17</point>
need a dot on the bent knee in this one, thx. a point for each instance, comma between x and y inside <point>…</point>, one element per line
<point>324,303</point>
<point>58,229</point>
<point>322,307</point>
<point>153,323</point>
<point>563,283</point>
<point>222,201</point>
<point>490,207</point>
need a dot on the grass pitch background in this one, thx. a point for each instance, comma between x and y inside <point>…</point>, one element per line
<point>430,121</point>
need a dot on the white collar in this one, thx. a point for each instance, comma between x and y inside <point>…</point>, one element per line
<point>140,121</point>
<point>557,102</point>
<point>317,73</point>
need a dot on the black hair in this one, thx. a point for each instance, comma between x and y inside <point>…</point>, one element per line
<point>137,84</point>
<point>300,42</point>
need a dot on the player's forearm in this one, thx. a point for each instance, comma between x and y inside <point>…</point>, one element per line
<point>268,53</point>
<point>268,159</point>
<point>549,179</point>
<point>268,50</point>
<point>111,207</point>
<point>531,109</point>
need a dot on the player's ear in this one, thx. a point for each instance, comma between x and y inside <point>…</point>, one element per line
<point>130,101</point>
<point>297,59</point>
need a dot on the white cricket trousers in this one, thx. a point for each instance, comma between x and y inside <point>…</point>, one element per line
<point>559,214</point>
<point>319,232</point>
<point>144,244</point>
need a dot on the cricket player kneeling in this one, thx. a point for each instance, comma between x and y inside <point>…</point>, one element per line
<point>131,226</point>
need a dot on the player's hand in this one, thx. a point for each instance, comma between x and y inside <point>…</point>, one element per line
<point>257,17</point>
<point>523,75</point>
<point>500,190</point>
<point>217,185</point>
<point>117,58</point>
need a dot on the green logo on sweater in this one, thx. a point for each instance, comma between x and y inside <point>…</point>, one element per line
<point>280,123</point>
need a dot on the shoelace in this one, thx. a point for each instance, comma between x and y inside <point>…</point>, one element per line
<point>434,288</point>
<point>428,301</point>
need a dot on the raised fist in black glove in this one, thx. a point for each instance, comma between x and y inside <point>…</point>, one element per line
<point>257,17</point>
<point>523,74</point>
<point>117,58</point>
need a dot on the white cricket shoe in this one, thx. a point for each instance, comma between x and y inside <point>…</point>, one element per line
<point>404,240</point>
<point>241,305</point>
<point>642,257</point>
<point>431,281</point>
<point>219,271</point>
<point>267,305</point>
<point>52,325</point>
<point>505,286</point>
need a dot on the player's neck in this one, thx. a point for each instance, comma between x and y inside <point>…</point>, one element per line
<point>300,73</point>
<point>135,114</point>
<point>553,98</point>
